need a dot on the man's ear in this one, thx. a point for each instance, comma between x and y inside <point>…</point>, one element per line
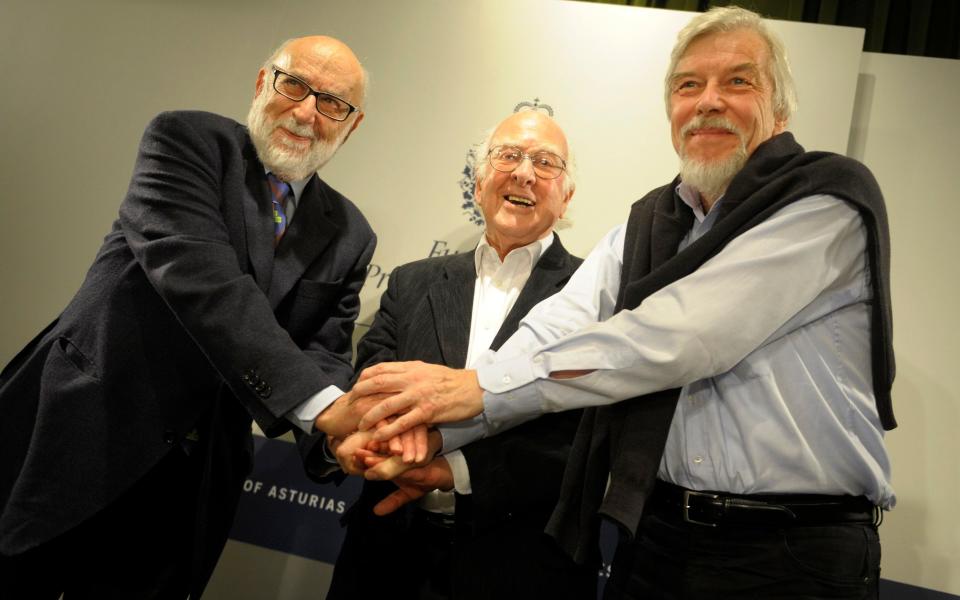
<point>261,79</point>
<point>566,203</point>
<point>356,123</point>
<point>779,126</point>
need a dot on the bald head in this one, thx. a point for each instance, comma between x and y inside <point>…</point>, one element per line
<point>534,122</point>
<point>328,54</point>
<point>524,194</point>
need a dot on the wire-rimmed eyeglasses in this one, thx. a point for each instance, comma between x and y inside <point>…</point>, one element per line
<point>506,159</point>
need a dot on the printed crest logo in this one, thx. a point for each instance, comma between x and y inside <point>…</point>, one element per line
<point>467,186</point>
<point>468,178</point>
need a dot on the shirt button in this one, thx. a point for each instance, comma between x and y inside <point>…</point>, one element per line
<point>506,379</point>
<point>538,359</point>
<point>697,460</point>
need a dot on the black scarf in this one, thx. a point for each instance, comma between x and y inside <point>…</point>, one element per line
<point>626,440</point>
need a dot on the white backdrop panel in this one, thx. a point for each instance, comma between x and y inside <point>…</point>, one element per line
<point>83,79</point>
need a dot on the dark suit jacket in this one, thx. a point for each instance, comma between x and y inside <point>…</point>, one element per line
<point>188,323</point>
<point>425,315</point>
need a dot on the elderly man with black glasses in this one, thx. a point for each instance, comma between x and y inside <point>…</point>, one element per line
<point>227,289</point>
<point>480,535</point>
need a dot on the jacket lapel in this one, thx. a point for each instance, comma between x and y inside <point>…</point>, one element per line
<point>451,300</point>
<point>258,223</point>
<point>306,237</point>
<point>547,278</point>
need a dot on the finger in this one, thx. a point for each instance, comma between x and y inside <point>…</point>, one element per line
<point>402,496</point>
<point>379,384</point>
<point>386,368</point>
<point>404,422</point>
<point>408,446</point>
<point>396,446</point>
<point>372,461</point>
<point>394,405</point>
<point>387,469</point>
<point>421,441</point>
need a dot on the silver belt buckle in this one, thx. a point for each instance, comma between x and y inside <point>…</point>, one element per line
<point>686,507</point>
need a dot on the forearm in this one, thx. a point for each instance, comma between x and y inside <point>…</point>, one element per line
<point>695,328</point>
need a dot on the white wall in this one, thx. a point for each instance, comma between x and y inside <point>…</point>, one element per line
<point>905,129</point>
<point>83,79</point>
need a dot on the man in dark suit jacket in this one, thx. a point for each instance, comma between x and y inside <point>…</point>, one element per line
<point>125,425</point>
<point>448,310</point>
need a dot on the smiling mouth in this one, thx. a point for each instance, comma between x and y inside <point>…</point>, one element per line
<point>295,137</point>
<point>519,201</point>
<point>711,131</point>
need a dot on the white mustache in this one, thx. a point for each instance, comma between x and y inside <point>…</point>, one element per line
<point>292,126</point>
<point>711,122</point>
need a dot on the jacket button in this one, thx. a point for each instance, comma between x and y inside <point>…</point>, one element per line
<point>265,392</point>
<point>169,436</point>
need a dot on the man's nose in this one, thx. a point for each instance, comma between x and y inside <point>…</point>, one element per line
<point>711,99</point>
<point>305,111</point>
<point>524,174</point>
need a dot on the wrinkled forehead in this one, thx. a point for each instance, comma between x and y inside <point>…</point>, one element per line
<point>324,69</point>
<point>743,48</point>
<point>531,133</point>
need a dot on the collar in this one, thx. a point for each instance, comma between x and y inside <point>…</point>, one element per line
<point>534,249</point>
<point>691,197</point>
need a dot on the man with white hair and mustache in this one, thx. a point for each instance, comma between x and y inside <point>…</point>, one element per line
<point>735,339</point>
<point>227,289</point>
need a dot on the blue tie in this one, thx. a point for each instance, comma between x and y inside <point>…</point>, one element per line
<point>280,190</point>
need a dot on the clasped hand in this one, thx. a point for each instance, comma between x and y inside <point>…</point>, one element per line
<point>379,428</point>
<point>414,476</point>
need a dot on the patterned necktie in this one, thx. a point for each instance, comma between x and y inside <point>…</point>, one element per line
<point>280,190</point>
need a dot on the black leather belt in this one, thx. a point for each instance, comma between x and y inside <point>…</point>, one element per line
<point>435,519</point>
<point>713,509</point>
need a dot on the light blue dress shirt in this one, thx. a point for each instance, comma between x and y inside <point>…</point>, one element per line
<point>769,342</point>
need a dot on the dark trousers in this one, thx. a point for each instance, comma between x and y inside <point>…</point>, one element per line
<point>140,546</point>
<point>673,559</point>
<point>415,557</point>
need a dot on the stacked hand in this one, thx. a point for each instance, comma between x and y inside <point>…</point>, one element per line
<point>380,428</point>
<point>416,393</point>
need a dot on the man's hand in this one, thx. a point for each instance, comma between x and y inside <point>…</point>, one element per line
<point>379,467</point>
<point>414,483</point>
<point>417,393</point>
<point>346,451</point>
<point>340,419</point>
<point>412,448</point>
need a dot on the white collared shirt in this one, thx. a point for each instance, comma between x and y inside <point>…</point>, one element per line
<point>497,287</point>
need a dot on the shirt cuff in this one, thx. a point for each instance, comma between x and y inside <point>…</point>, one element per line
<point>461,472</point>
<point>304,415</point>
<point>510,373</point>
<point>457,435</point>
<point>327,454</point>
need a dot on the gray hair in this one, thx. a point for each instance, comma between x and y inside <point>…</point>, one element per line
<point>274,59</point>
<point>731,18</point>
<point>482,164</point>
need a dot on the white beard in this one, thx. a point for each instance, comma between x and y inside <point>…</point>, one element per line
<point>287,160</point>
<point>711,178</point>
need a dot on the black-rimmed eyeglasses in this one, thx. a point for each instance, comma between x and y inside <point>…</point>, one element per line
<point>296,89</point>
<point>506,159</point>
